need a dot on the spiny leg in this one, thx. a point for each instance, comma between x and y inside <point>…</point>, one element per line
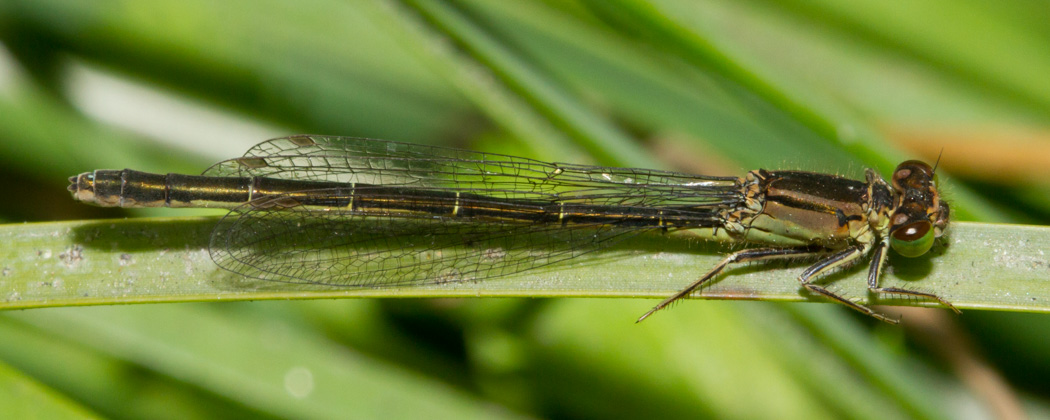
<point>837,260</point>
<point>878,261</point>
<point>747,255</point>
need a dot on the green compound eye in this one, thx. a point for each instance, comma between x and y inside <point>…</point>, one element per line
<point>914,239</point>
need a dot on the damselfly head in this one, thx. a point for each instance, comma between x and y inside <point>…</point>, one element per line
<point>920,216</point>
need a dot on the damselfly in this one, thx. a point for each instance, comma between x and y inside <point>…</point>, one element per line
<point>354,212</point>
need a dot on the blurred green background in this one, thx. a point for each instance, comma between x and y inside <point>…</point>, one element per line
<point>714,87</point>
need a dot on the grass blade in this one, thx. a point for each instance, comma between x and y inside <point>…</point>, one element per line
<point>986,266</point>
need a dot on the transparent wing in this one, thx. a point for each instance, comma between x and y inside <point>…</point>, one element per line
<point>273,238</point>
<point>377,162</point>
<point>347,249</point>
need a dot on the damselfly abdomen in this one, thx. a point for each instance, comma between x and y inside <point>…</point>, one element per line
<point>425,215</point>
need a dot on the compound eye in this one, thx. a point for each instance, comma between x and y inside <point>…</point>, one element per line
<point>910,173</point>
<point>913,239</point>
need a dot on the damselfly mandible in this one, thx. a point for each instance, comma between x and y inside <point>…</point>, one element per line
<point>426,214</point>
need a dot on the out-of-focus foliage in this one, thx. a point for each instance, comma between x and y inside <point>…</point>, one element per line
<point>714,86</point>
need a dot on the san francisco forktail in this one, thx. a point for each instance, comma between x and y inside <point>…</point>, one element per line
<point>353,212</point>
